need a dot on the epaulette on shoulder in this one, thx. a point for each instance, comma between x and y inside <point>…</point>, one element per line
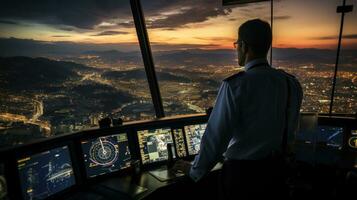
<point>239,74</point>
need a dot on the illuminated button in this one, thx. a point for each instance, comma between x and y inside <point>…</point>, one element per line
<point>352,142</point>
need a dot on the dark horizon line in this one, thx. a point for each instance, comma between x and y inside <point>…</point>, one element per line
<point>207,47</point>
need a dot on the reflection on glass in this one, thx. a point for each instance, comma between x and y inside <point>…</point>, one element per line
<point>79,63</point>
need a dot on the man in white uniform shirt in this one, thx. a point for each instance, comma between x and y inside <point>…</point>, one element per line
<point>253,109</point>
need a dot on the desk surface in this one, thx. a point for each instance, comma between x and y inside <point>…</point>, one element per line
<point>145,186</point>
<point>142,185</point>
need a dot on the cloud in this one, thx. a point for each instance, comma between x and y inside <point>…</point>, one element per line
<point>156,46</point>
<point>67,28</point>
<point>59,36</point>
<point>347,36</point>
<point>8,22</point>
<point>110,33</point>
<point>88,14</point>
<point>283,17</point>
<point>83,14</point>
<point>350,36</point>
<point>181,13</point>
<point>222,39</point>
<point>129,24</point>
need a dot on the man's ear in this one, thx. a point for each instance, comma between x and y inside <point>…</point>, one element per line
<point>244,47</point>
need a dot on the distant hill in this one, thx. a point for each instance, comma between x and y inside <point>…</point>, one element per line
<point>124,54</point>
<point>304,55</point>
<point>42,75</point>
<point>24,73</point>
<point>189,58</point>
<point>101,97</point>
<point>140,74</point>
<point>195,57</point>
<point>223,57</point>
<point>35,48</point>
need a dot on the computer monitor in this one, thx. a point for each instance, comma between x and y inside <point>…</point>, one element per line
<point>106,154</point>
<point>194,135</point>
<point>179,142</point>
<point>45,173</point>
<point>153,144</point>
<point>330,136</point>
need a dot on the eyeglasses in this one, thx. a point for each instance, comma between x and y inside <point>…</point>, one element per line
<point>237,43</point>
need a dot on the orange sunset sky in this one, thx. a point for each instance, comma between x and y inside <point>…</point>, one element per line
<point>300,24</point>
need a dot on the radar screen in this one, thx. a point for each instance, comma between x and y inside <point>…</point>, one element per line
<point>46,173</point>
<point>153,144</point>
<point>179,142</point>
<point>193,135</point>
<point>106,154</point>
<point>330,136</point>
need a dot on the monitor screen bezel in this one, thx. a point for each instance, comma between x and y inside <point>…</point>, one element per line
<point>186,139</point>
<point>95,136</point>
<point>157,163</point>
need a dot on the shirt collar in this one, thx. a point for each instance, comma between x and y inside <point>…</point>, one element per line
<point>254,62</point>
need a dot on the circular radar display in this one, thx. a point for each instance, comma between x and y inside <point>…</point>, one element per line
<point>103,152</point>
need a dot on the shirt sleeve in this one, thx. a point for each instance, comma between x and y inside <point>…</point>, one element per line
<point>217,135</point>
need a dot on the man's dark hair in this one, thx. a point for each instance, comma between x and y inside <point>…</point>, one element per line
<point>257,35</point>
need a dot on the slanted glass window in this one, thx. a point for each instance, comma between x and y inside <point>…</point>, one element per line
<point>64,65</point>
<point>192,44</point>
<point>346,83</point>
<point>305,41</point>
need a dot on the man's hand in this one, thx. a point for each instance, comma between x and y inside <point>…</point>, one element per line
<point>183,166</point>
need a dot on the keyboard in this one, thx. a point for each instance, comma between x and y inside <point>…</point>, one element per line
<point>164,174</point>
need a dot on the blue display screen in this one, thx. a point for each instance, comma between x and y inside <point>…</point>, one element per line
<point>331,136</point>
<point>106,154</point>
<point>326,135</point>
<point>45,173</point>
